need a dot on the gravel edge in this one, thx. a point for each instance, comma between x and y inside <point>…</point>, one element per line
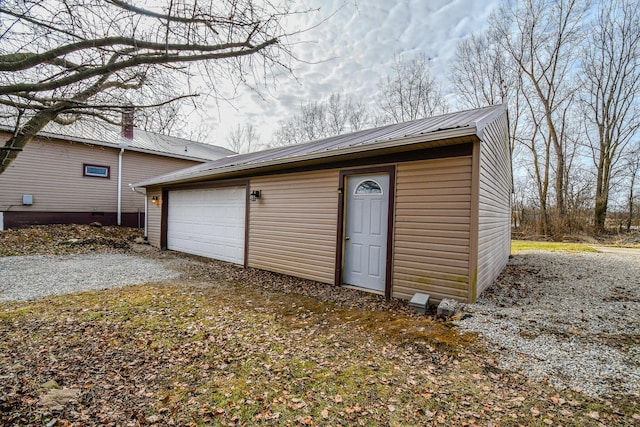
<point>572,320</point>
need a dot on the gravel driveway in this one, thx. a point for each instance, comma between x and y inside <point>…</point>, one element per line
<point>570,319</point>
<point>29,277</point>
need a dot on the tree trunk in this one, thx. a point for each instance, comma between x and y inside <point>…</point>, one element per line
<point>630,219</point>
<point>603,179</point>
<point>19,139</point>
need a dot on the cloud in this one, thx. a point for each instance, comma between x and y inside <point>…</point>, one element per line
<point>354,48</point>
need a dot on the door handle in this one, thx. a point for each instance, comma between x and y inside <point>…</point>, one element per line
<point>347,238</point>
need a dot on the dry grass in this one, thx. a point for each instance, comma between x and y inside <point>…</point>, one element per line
<point>531,245</point>
<point>233,355</point>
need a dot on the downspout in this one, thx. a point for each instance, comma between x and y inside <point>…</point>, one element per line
<point>127,134</point>
<point>120,186</point>
<point>146,207</point>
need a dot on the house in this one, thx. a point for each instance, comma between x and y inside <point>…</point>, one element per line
<point>416,207</point>
<point>81,173</point>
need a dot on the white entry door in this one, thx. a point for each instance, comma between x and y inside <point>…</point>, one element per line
<point>367,211</point>
<point>208,222</point>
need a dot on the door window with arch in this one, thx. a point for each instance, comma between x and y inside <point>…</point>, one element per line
<point>368,186</point>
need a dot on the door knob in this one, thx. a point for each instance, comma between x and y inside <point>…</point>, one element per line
<point>347,238</point>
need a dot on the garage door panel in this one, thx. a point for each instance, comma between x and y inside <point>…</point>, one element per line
<point>209,222</point>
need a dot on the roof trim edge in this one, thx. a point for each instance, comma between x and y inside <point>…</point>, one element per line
<point>397,142</point>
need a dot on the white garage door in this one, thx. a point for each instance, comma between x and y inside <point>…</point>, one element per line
<point>208,222</point>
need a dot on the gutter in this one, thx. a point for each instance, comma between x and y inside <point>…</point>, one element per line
<point>146,208</point>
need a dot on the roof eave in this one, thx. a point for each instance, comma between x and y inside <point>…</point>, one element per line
<point>117,146</point>
<point>392,143</point>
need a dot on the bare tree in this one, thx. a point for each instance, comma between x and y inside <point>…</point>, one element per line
<point>538,151</point>
<point>483,74</point>
<point>542,37</point>
<point>243,139</point>
<point>410,92</point>
<point>632,166</point>
<point>337,115</point>
<point>359,115</point>
<point>166,119</point>
<point>318,119</point>
<point>313,120</point>
<point>479,73</point>
<point>611,74</point>
<point>62,59</point>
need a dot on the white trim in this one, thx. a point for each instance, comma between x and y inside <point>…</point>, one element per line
<point>482,123</point>
<point>95,174</point>
<point>120,154</point>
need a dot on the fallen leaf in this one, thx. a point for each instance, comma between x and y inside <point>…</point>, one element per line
<point>594,415</point>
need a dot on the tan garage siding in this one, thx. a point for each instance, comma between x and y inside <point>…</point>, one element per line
<point>292,227</point>
<point>494,239</point>
<point>154,218</point>
<point>431,234</point>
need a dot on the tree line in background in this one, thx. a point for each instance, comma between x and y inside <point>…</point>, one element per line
<point>570,73</point>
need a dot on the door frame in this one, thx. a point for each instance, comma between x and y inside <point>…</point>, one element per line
<point>164,219</point>
<point>391,170</point>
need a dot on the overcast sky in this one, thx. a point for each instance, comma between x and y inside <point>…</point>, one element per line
<point>350,53</point>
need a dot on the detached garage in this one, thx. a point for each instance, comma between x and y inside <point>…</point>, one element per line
<point>416,207</point>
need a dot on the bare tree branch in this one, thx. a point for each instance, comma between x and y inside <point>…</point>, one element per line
<point>65,58</point>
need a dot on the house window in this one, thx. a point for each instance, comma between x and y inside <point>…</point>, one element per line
<point>95,170</point>
<point>368,187</point>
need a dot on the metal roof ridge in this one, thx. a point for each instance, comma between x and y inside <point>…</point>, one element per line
<point>381,138</point>
<point>180,175</point>
<point>129,144</point>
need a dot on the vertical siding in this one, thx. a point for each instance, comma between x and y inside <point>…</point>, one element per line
<point>494,237</point>
<point>154,215</point>
<point>52,171</point>
<point>292,228</point>
<point>431,233</point>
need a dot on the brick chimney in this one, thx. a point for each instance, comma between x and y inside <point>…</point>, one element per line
<point>127,122</point>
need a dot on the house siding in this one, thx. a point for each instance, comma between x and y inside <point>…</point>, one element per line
<point>138,166</point>
<point>292,227</point>
<point>431,231</point>
<point>154,217</point>
<point>495,185</point>
<point>52,171</point>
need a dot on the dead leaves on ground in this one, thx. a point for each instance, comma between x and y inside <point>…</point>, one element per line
<point>199,356</point>
<point>65,239</point>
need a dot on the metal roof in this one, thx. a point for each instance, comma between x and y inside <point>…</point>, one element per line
<point>108,135</point>
<point>452,125</point>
